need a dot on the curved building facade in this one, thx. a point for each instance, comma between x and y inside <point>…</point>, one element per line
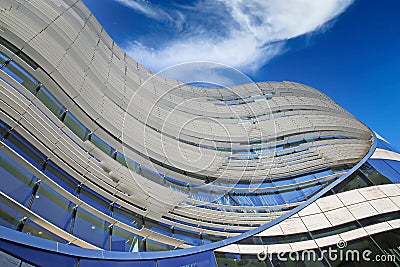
<point>104,163</point>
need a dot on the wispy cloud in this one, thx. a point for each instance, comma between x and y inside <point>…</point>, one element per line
<point>240,33</point>
<point>155,12</point>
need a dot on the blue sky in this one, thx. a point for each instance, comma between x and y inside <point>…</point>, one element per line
<point>348,49</point>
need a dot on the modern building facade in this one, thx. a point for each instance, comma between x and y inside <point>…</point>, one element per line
<point>103,163</point>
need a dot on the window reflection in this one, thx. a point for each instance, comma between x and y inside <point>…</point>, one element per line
<point>32,228</point>
<point>17,182</point>
<point>52,206</point>
<point>92,229</point>
<point>123,240</point>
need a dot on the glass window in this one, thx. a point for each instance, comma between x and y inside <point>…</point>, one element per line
<point>309,190</point>
<point>95,200</point>
<point>189,237</point>
<point>132,165</point>
<point>311,259</point>
<point>387,146</point>
<point>123,240</point>
<point>62,178</point>
<point>380,218</point>
<point>121,159</point>
<point>126,216</point>
<point>50,102</point>
<point>271,199</point>
<point>92,229</point>
<point>292,195</point>
<point>335,230</point>
<point>207,239</point>
<point>32,228</point>
<point>389,242</point>
<point>4,128</point>
<point>8,45</point>
<point>17,182</point>
<point>359,245</point>
<point>152,245</point>
<point>3,59</point>
<point>27,60</point>
<point>25,149</point>
<point>304,178</point>
<point>355,181</point>
<point>283,182</point>
<point>204,259</point>
<point>119,263</point>
<point>323,173</point>
<point>9,217</point>
<point>269,240</point>
<point>253,240</point>
<point>236,260</point>
<point>21,76</point>
<point>53,207</point>
<point>396,166</point>
<point>103,146</point>
<point>7,260</point>
<point>373,175</point>
<point>158,227</point>
<point>381,166</point>
<point>152,175</point>
<point>76,126</point>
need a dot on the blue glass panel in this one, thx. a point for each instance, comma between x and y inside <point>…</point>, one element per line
<point>12,74</point>
<point>103,146</point>
<point>123,240</point>
<point>16,181</point>
<point>3,59</point>
<point>284,182</point>
<point>271,199</point>
<point>231,259</point>
<point>95,200</point>
<point>158,227</point>
<point>189,237</point>
<point>7,260</point>
<point>32,228</point>
<point>151,175</point>
<point>50,102</point>
<point>9,217</point>
<point>387,146</point>
<point>53,207</point>
<point>121,159</point>
<point>207,239</point>
<point>395,165</point>
<point>21,76</point>
<point>62,178</point>
<point>127,217</point>
<point>247,200</point>
<point>152,245</point>
<point>76,126</point>
<point>25,149</point>
<point>37,256</point>
<point>92,229</point>
<point>323,173</point>
<point>292,196</point>
<point>373,175</point>
<point>205,259</point>
<point>304,178</point>
<point>311,190</point>
<point>3,129</point>
<point>381,166</point>
<point>105,263</point>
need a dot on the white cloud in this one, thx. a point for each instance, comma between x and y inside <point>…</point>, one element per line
<point>240,33</point>
<point>147,9</point>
